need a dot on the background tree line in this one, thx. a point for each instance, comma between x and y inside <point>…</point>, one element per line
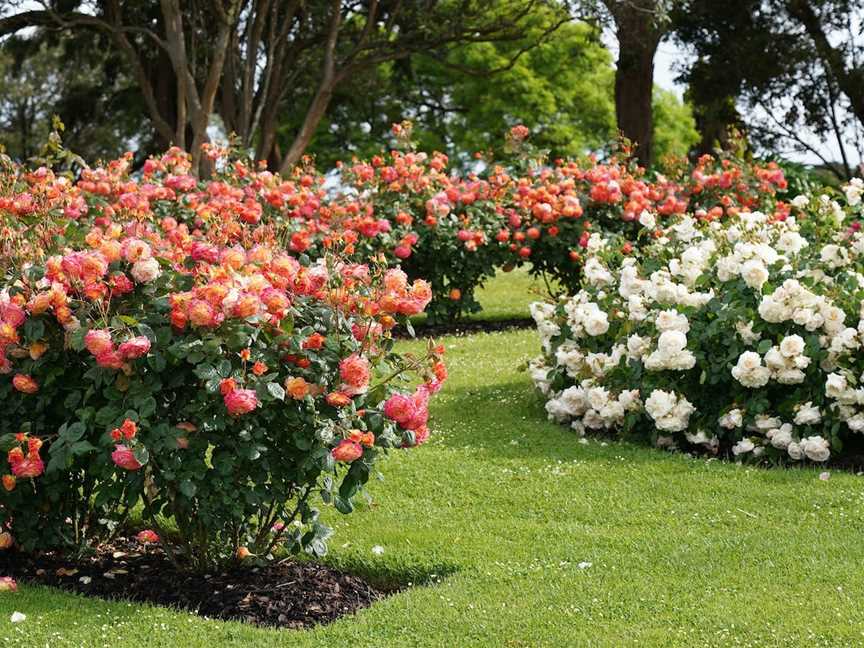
<point>328,77</point>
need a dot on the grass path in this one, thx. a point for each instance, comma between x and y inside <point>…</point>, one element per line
<point>495,516</point>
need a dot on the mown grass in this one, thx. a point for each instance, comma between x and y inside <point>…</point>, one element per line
<point>505,296</point>
<point>496,518</point>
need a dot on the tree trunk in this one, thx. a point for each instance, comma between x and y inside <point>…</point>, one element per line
<point>634,82</point>
<point>637,27</point>
<point>715,121</point>
<point>316,112</point>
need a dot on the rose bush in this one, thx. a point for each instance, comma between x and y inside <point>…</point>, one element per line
<point>741,334</point>
<point>457,229</point>
<point>160,347</point>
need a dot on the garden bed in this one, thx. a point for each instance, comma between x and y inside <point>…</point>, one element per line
<point>287,594</point>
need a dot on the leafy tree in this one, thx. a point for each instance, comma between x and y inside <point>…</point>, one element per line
<point>561,89</point>
<point>674,126</point>
<point>796,67</point>
<point>639,25</point>
<point>251,61</point>
<point>40,79</point>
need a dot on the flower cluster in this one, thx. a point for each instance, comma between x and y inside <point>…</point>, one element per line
<point>739,335</point>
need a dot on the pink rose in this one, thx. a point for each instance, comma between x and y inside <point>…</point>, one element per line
<point>12,314</point>
<point>145,270</point>
<point>8,584</point>
<point>29,467</point>
<point>125,458</point>
<point>240,401</point>
<point>109,360</point>
<point>400,408</point>
<point>134,348</point>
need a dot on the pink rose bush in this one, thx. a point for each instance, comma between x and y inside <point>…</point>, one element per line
<point>739,336</point>
<point>163,346</point>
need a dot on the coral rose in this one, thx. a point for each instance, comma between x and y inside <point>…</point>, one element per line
<point>347,451</point>
<point>297,388</point>
<point>134,348</point>
<point>400,408</point>
<point>146,536</point>
<point>29,467</point>
<point>354,371</point>
<point>25,384</point>
<point>338,399</point>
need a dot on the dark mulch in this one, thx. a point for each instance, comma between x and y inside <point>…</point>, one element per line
<point>466,327</point>
<point>286,594</point>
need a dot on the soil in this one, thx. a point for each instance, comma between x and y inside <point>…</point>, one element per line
<point>286,594</point>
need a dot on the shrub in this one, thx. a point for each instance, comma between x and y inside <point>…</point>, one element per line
<point>741,334</point>
<point>161,349</point>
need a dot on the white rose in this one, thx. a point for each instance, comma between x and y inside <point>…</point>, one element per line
<point>792,345</point>
<point>794,451</point>
<point>732,419</point>
<point>646,219</point>
<point>660,403</point>
<point>800,201</point>
<point>671,342</point>
<point>742,447</point>
<point>782,437</point>
<point>807,414</point>
<point>754,273</point>
<point>672,320</point>
<point>835,385</point>
<point>815,448</point>
<point>637,346</point>
<point>597,323</point>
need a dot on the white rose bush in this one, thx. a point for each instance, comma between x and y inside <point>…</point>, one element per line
<point>737,336</point>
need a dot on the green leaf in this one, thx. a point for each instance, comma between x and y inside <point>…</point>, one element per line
<point>141,455</point>
<point>188,488</point>
<point>7,442</point>
<point>276,391</point>
<point>82,447</point>
<point>147,407</point>
<point>343,505</point>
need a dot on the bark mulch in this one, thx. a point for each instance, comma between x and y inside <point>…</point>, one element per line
<point>286,594</point>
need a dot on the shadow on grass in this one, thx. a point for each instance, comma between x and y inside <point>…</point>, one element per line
<point>393,579</point>
<point>508,420</point>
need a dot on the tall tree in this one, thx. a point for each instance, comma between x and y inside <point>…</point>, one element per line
<point>639,27</point>
<point>791,70</point>
<point>251,60</point>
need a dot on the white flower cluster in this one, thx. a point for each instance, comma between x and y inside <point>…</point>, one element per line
<point>670,411</point>
<point>715,323</point>
<point>784,363</point>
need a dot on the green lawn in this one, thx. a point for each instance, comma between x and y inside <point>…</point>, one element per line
<point>505,296</point>
<point>494,517</point>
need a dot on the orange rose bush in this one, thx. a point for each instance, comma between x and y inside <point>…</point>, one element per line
<point>162,349</point>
